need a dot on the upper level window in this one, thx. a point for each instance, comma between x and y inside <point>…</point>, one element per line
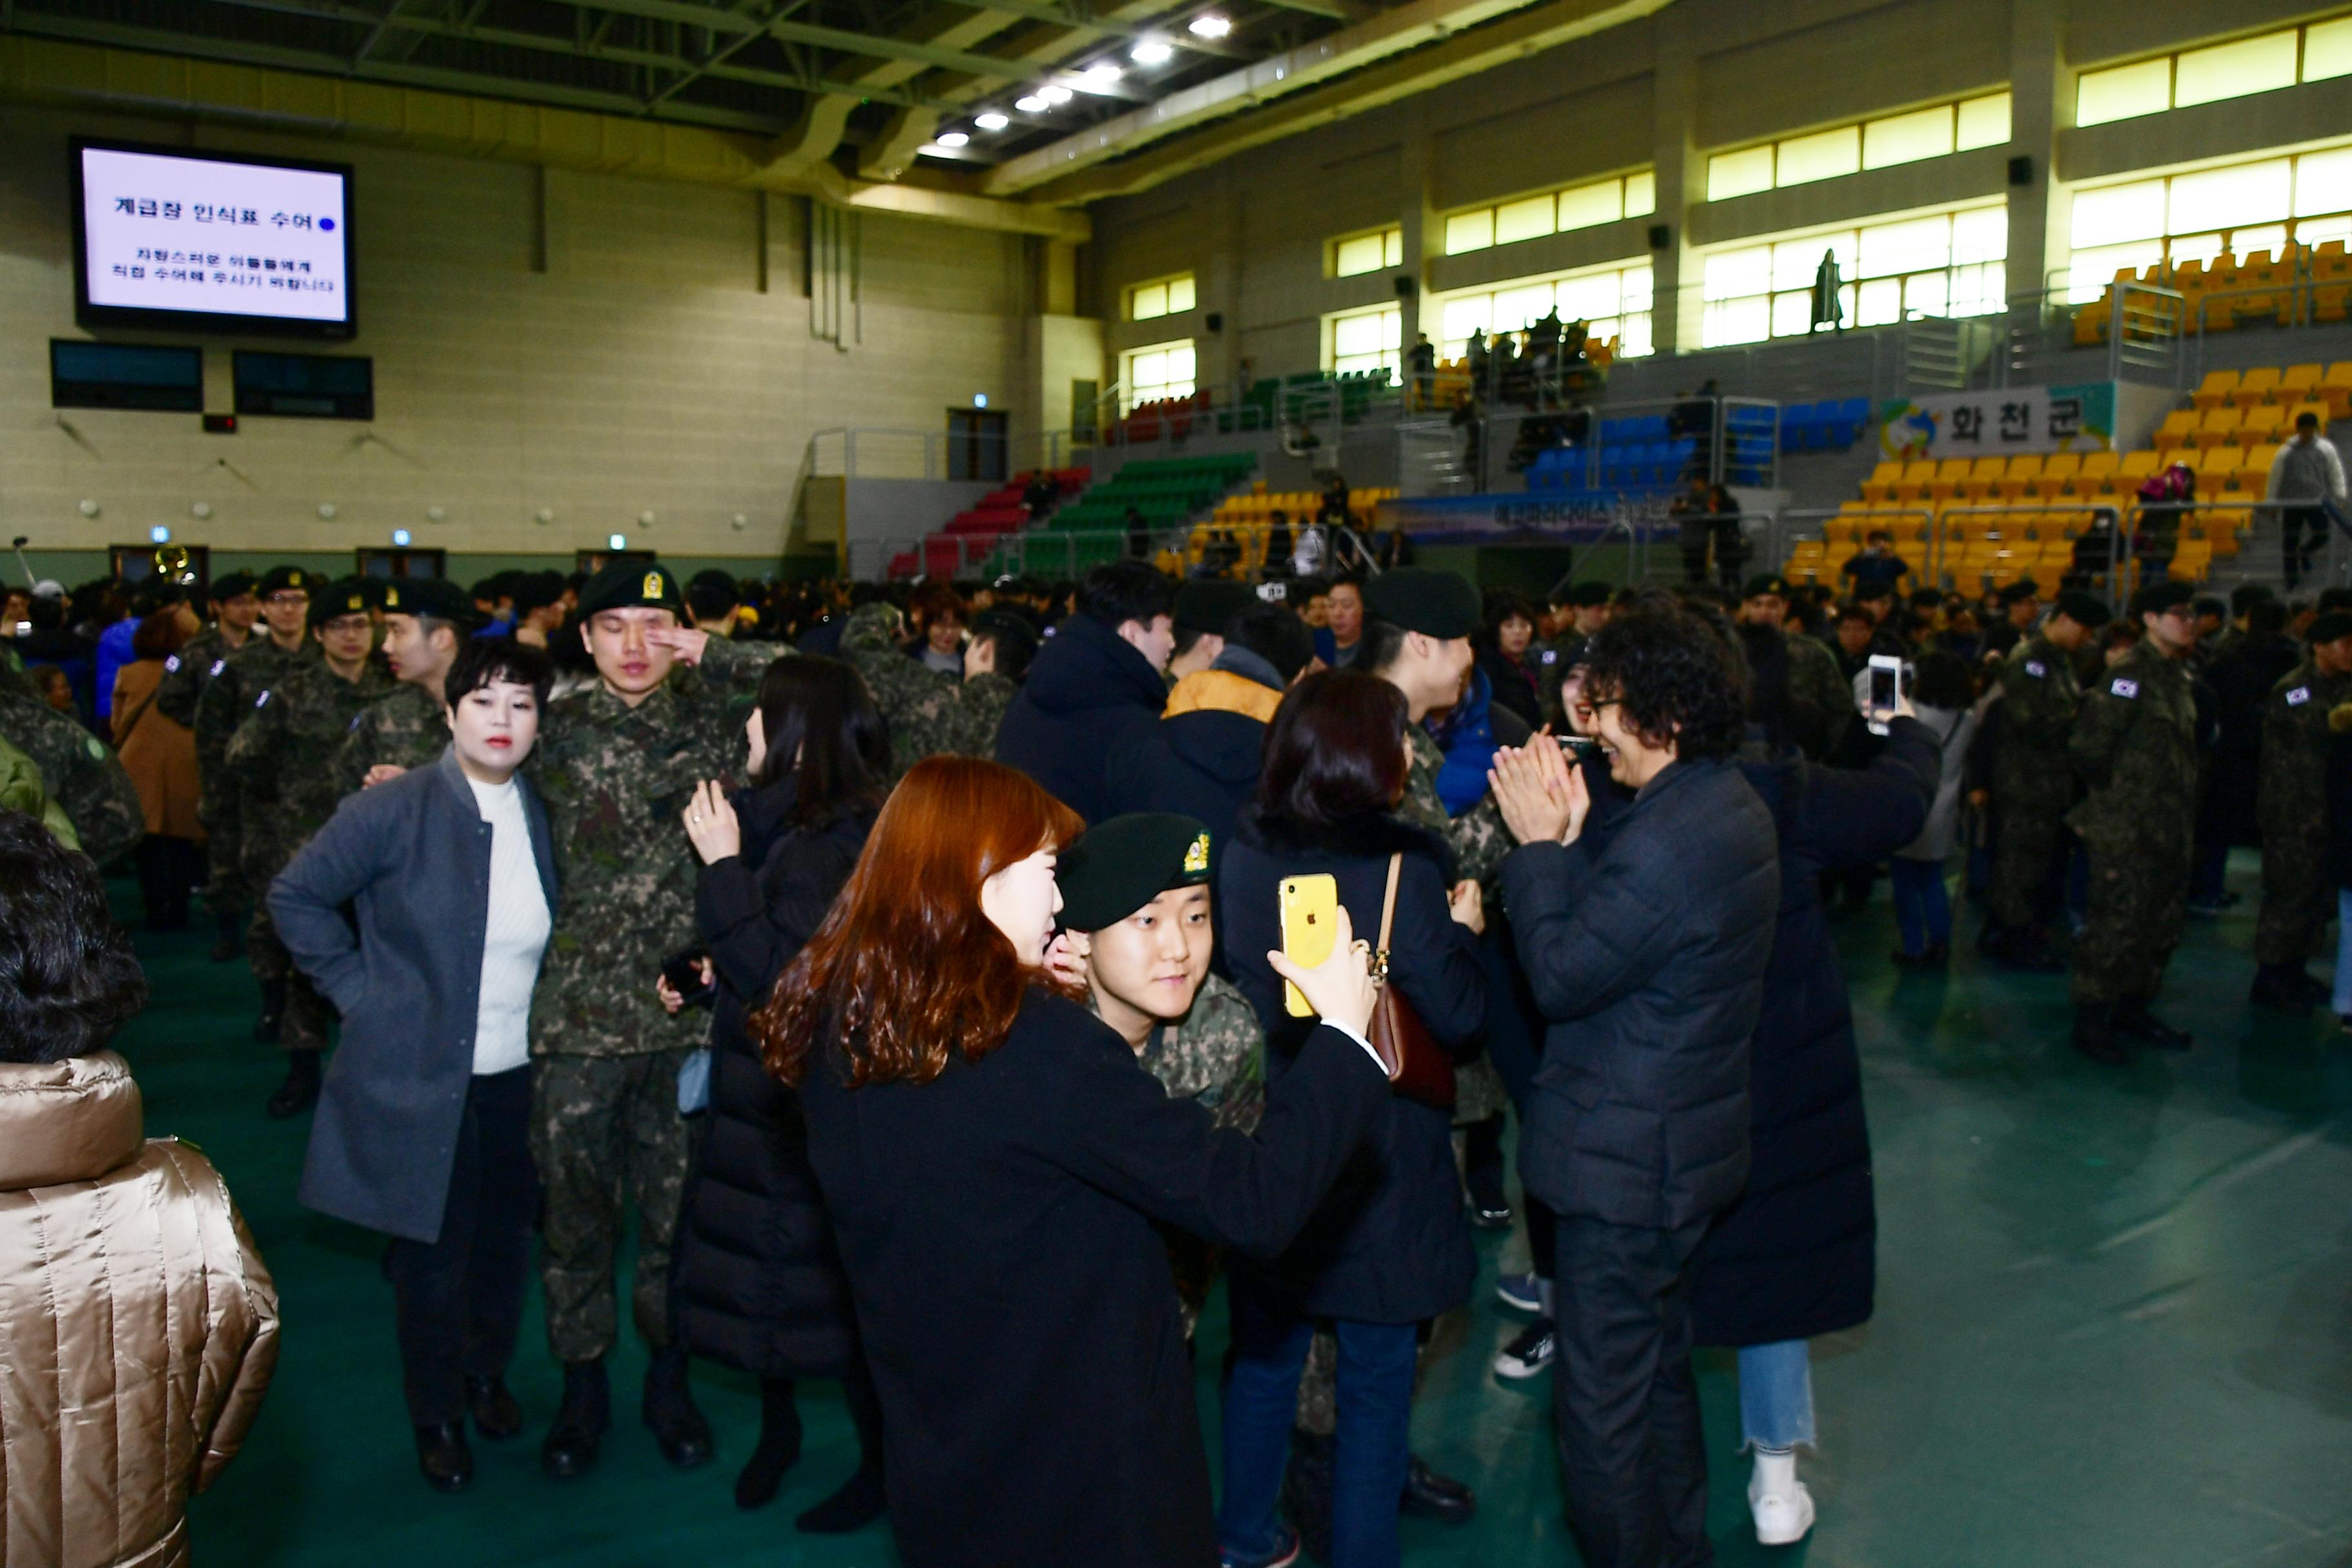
<point>1552,212</point>
<point>1612,301</point>
<point>2237,209</point>
<point>1164,297</point>
<point>1361,253</point>
<point>1357,341</point>
<point>1942,264</point>
<point>2263,63</point>
<point>1905,138</point>
<point>1160,370</point>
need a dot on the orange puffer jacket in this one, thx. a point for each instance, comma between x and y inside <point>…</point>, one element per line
<point>138,1326</point>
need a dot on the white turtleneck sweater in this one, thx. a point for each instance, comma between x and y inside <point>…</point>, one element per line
<point>516,932</point>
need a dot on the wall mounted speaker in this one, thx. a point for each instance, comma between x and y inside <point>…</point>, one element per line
<point>2020,170</point>
<point>1661,236</point>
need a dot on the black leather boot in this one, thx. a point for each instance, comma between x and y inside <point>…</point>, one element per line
<point>496,1415</point>
<point>443,1456</point>
<point>582,1421</point>
<point>299,1092</point>
<point>2095,1034</point>
<point>2135,1021</point>
<point>1431,1493</point>
<point>670,1410</point>
<point>2282,988</point>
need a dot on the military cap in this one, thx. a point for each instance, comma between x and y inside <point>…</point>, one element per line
<point>286,579</point>
<point>2213,604</point>
<point>1589,594</point>
<point>2334,599</point>
<point>1424,599</point>
<point>352,597</point>
<point>1206,604</point>
<point>1116,868</point>
<point>2333,625</point>
<point>2160,596</point>
<point>536,590</point>
<point>2085,610</point>
<point>631,585</point>
<point>230,587</point>
<point>2017,592</point>
<point>1765,583</point>
<point>436,597</point>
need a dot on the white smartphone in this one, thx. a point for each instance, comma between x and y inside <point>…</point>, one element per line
<point>1886,684</point>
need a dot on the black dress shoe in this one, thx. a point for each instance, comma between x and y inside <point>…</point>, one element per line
<point>2095,1036</point>
<point>496,1415</point>
<point>299,1092</point>
<point>679,1427</point>
<point>581,1422</point>
<point>2282,989</point>
<point>2134,1020</point>
<point>442,1455</point>
<point>1431,1493</point>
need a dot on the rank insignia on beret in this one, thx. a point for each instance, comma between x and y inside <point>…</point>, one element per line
<point>2035,667</point>
<point>2123,686</point>
<point>653,585</point>
<point>391,597</point>
<point>2298,696</point>
<point>1196,858</point>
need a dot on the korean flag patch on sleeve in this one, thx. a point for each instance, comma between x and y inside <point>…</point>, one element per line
<point>2035,667</point>
<point>2298,696</point>
<point>2123,686</point>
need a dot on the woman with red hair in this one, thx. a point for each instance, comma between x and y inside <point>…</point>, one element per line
<point>995,1158</point>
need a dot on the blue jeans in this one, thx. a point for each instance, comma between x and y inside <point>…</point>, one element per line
<point>1776,1395</point>
<point>2342,1000</point>
<point>1371,1447</point>
<point>1923,909</point>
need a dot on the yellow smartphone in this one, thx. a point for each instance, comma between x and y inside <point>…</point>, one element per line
<point>1310,917</point>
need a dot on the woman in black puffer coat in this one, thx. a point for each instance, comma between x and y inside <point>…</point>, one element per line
<point>757,1283</point>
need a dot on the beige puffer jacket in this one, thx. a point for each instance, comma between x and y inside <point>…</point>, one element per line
<point>138,1326</point>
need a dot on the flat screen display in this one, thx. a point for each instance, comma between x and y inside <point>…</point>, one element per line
<point>211,242</point>
<point>308,387</point>
<point>126,376</point>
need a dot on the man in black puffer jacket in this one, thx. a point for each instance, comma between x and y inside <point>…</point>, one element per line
<point>1096,686</point>
<point>1645,939</point>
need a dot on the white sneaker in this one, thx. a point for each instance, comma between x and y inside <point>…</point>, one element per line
<point>1780,1520</point>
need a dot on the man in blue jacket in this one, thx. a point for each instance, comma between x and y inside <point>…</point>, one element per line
<point>1097,685</point>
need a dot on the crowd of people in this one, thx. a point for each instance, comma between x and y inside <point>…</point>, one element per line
<point>930,977</point>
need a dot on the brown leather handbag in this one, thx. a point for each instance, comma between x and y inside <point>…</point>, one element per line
<point>1419,1068</point>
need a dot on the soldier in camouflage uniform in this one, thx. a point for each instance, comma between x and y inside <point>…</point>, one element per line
<point>2291,807</point>
<point>929,712</point>
<point>617,764</point>
<point>79,773</point>
<point>2135,746</point>
<point>187,676</point>
<point>2034,780</point>
<point>281,757</point>
<point>426,621</point>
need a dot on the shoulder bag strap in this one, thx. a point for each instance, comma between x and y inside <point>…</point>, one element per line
<point>1388,917</point>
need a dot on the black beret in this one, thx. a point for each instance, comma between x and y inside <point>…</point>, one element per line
<point>351,596</point>
<point>1116,868</point>
<point>631,584</point>
<point>1206,604</point>
<point>279,579</point>
<point>436,597</point>
<point>1424,599</point>
<point>230,587</point>
<point>2333,625</point>
<point>2159,596</point>
<point>1765,583</point>
<point>2213,604</point>
<point>537,590</point>
<point>2334,599</point>
<point>2017,592</point>
<point>2085,610</point>
<point>1589,595</point>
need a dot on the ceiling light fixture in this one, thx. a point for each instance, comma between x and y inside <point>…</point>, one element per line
<point>1101,74</point>
<point>952,138</point>
<point>1152,52</point>
<point>1211,26</point>
<point>992,121</point>
<point>1056,96</point>
<point>1033,104</point>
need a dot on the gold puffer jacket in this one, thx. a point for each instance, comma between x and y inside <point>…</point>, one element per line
<point>138,1325</point>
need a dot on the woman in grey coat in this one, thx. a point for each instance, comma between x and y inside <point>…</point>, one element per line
<point>422,1124</point>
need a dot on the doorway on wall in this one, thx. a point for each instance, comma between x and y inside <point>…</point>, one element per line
<point>1084,398</point>
<point>977,439</point>
<point>135,564</point>
<point>594,560</point>
<point>403,563</point>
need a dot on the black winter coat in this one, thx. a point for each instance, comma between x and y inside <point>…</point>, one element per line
<point>2339,808</point>
<point>2240,681</point>
<point>757,1282</point>
<point>1087,695</point>
<point>1797,1255</point>
<point>1019,1316</point>
<point>1391,1244</point>
<point>1203,763</point>
<point>1645,944</point>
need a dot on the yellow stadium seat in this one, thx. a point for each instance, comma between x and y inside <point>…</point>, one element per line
<point>2298,382</point>
<point>2218,427</point>
<point>2255,386</point>
<point>2300,409</point>
<point>2100,464</point>
<point>2264,422</point>
<point>1913,486</point>
<point>2137,466</point>
<point>2023,471</point>
<point>2179,428</point>
<point>2257,463</point>
<point>1949,476</point>
<point>2215,389</point>
<point>1880,486</point>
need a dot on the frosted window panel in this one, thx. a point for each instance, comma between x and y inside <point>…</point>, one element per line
<point>1523,220</point>
<point>2327,49</point>
<point>1151,301</point>
<point>1984,121</point>
<point>1925,295</point>
<point>2123,92</point>
<point>2316,234</point>
<point>1588,204</point>
<point>1731,273</point>
<point>1589,299</point>
<point>1358,255</point>
<point>2088,272</point>
<point>1633,335</point>
<point>2268,237</point>
<point>1790,314</point>
<point>1907,138</point>
<point>1732,174</point>
<point>2201,248</point>
<point>1982,235</point>
<point>1878,302</point>
<point>2118,213</point>
<point>1641,194</point>
<point>2323,182</point>
<point>1980,290</point>
<point>1180,298</point>
<point>2223,198</point>
<point>1392,323</point>
<point>2234,69</point>
<point>1392,248</point>
<point>1637,288</point>
<point>1469,231</point>
<point>1356,335</point>
<point>1825,156</point>
<point>1516,310</point>
<point>1148,370</point>
<point>1180,365</point>
<point>1737,322</point>
<point>1463,316</point>
<point>1906,247</point>
<point>1796,262</point>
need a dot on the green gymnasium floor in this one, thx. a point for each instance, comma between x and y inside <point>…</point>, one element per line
<point>2114,1321</point>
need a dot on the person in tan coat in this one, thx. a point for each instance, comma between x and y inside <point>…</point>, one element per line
<point>159,752</point>
<point>137,1324</point>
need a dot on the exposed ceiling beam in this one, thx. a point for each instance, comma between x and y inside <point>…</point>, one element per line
<point>1108,26</point>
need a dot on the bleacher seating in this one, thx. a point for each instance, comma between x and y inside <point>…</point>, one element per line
<point>2300,282</point>
<point>970,533</point>
<point>1831,426</point>
<point>1246,519</point>
<point>1165,491</point>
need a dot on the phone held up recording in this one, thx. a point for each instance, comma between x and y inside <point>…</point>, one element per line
<point>1310,916</point>
<point>1887,678</point>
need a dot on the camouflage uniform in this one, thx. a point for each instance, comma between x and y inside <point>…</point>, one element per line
<point>281,757</point>
<point>604,1116</point>
<point>1479,842</point>
<point>2032,781</point>
<point>407,729</point>
<point>2134,745</point>
<point>2292,809</point>
<point>78,771</point>
<point>1816,680</point>
<point>179,697</point>
<point>929,713</point>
